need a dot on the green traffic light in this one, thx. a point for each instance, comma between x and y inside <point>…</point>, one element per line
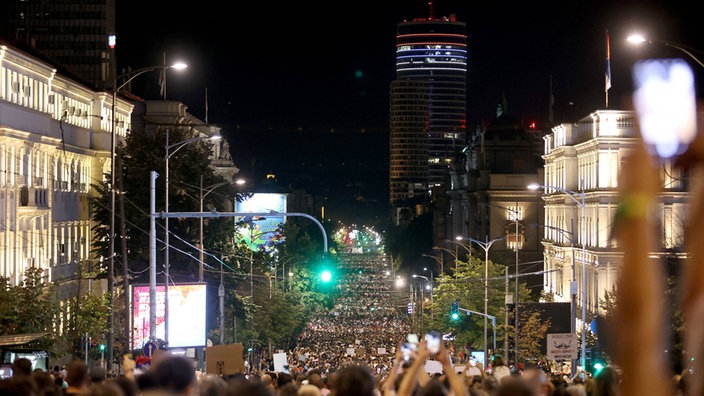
<point>598,367</point>
<point>455,310</point>
<point>102,347</point>
<point>326,276</point>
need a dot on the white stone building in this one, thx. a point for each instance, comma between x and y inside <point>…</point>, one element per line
<point>583,160</point>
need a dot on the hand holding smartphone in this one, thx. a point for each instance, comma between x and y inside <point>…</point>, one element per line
<point>432,342</point>
<point>410,346</point>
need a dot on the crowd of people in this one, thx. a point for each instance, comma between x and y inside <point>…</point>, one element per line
<point>351,350</point>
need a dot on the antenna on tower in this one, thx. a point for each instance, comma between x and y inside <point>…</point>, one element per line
<point>432,15</point>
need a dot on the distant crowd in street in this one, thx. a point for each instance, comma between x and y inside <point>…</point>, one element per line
<point>352,350</point>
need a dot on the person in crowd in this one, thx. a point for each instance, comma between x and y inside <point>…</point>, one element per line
<point>606,382</point>
<point>21,367</point>
<point>308,390</point>
<point>499,370</point>
<point>77,377</point>
<point>355,380</point>
<point>513,386</point>
<point>212,385</point>
<point>241,388</point>
<point>97,374</point>
<point>174,375</point>
<point>538,381</point>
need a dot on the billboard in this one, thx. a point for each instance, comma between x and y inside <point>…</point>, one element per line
<point>259,232</point>
<point>186,315</point>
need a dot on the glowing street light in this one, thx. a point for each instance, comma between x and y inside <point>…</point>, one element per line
<point>637,39</point>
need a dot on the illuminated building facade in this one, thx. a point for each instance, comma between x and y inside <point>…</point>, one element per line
<point>428,106</point>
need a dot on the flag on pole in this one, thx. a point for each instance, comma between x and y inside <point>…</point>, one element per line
<point>162,83</point>
<point>608,63</point>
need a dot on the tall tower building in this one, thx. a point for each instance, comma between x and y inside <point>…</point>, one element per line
<point>428,114</point>
<point>73,33</point>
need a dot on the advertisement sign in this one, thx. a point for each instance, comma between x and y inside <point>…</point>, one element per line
<point>186,315</point>
<point>562,346</point>
<point>261,232</point>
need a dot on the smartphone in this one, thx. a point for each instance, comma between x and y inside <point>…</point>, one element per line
<point>665,103</point>
<point>472,361</point>
<point>410,346</point>
<point>432,341</point>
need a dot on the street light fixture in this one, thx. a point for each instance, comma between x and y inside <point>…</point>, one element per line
<point>176,146</point>
<point>203,192</point>
<point>486,246</point>
<point>428,286</point>
<point>113,121</point>
<point>437,260</point>
<point>453,254</point>
<point>515,214</point>
<point>638,39</point>
<point>579,198</point>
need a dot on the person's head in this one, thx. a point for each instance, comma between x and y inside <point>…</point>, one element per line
<point>283,379</point>
<point>175,374</point>
<point>355,380</point>
<point>77,374</point>
<point>316,379</point>
<point>498,361</point>
<point>308,390</point>
<point>212,385</point>
<point>288,389</point>
<point>238,388</point>
<point>606,382</point>
<point>21,366</point>
<point>45,384</point>
<point>97,374</point>
<point>129,385</point>
<point>537,379</point>
<point>576,390</point>
<point>104,388</point>
<point>514,386</point>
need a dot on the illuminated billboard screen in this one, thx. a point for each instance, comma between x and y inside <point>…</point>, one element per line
<point>261,232</point>
<point>186,315</point>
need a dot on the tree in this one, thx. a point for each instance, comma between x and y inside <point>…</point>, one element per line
<point>532,332</point>
<point>30,307</point>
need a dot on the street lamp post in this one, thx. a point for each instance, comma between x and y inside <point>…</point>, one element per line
<point>452,254</point>
<point>430,286</point>
<point>113,122</point>
<point>579,199</point>
<point>514,213</point>
<point>207,190</point>
<point>458,242</point>
<point>437,260</point>
<point>486,246</point>
<point>176,146</point>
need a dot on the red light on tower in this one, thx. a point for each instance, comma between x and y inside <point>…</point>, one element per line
<point>532,125</point>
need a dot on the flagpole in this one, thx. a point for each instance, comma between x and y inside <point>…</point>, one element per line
<point>551,103</point>
<point>163,88</point>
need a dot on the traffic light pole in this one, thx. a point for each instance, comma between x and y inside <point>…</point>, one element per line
<point>152,239</point>
<point>493,325</point>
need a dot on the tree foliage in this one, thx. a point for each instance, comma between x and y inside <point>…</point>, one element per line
<point>29,307</point>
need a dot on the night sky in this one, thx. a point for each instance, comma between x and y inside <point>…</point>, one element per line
<point>276,69</point>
